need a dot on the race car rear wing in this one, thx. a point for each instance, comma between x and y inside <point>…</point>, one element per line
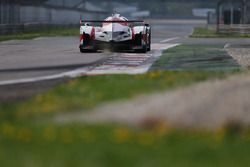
<point>114,21</point>
<point>82,22</point>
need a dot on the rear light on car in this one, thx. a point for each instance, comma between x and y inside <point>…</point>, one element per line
<point>133,33</point>
<point>81,37</point>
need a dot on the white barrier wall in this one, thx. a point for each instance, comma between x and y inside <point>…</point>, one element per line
<point>69,17</point>
<point>31,14</point>
<point>15,18</point>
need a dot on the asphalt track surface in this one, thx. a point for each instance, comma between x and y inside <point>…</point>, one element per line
<point>50,56</point>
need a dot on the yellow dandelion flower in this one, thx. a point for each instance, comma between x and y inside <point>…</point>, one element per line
<point>155,74</point>
<point>72,83</point>
<point>145,138</point>
<point>51,105</point>
<point>88,136</point>
<point>161,129</point>
<point>121,135</point>
<point>170,79</point>
<point>8,130</point>
<point>139,77</point>
<point>39,99</point>
<point>49,134</point>
<point>67,136</point>
<point>24,134</point>
<point>245,135</point>
<point>219,135</point>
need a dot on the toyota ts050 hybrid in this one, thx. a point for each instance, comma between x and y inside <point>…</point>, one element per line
<point>115,33</point>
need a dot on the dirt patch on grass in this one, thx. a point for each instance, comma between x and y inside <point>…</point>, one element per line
<point>207,105</point>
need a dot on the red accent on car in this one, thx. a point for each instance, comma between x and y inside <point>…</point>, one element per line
<point>133,34</point>
<point>81,37</point>
<point>92,34</point>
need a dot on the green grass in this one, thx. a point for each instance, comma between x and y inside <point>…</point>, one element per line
<point>29,138</point>
<point>50,32</point>
<point>196,57</point>
<point>112,146</point>
<point>200,32</point>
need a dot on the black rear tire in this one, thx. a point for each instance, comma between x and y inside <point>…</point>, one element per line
<point>149,41</point>
<point>82,50</point>
<point>87,50</point>
<point>143,50</point>
<point>149,47</point>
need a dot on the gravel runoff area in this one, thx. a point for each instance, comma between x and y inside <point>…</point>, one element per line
<point>241,54</point>
<point>210,104</point>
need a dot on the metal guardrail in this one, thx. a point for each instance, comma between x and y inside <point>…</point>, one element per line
<point>234,28</point>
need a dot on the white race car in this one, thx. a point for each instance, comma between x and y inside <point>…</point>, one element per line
<point>115,33</point>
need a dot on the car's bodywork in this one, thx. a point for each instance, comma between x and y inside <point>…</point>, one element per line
<point>115,33</point>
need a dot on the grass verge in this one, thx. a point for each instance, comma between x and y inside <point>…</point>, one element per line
<point>87,92</point>
<point>112,146</point>
<point>200,32</point>
<point>196,57</point>
<point>50,32</point>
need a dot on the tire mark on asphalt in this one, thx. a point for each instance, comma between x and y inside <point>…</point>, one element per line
<point>47,68</point>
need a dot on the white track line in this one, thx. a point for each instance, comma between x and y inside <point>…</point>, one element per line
<point>30,80</point>
<point>169,39</point>
<point>102,69</point>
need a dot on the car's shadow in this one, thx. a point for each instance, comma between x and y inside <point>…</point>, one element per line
<point>113,51</point>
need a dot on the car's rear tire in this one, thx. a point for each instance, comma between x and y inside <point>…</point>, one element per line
<point>149,47</point>
<point>149,42</point>
<point>144,49</point>
<point>87,50</point>
<point>82,50</point>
